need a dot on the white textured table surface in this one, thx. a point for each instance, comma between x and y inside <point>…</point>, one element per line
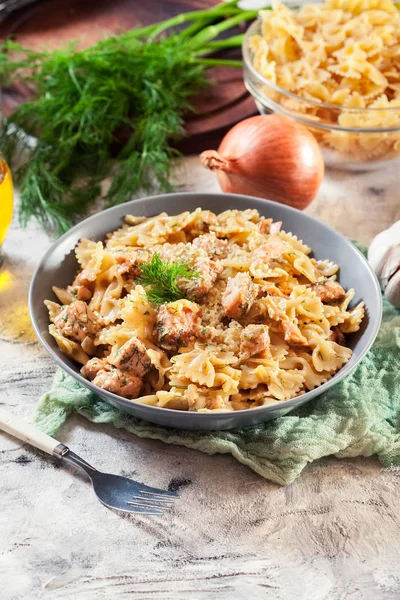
<point>332,535</point>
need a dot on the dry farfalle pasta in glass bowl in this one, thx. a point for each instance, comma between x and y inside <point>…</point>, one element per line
<point>204,312</point>
<point>334,67</point>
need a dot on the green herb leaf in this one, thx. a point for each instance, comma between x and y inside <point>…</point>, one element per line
<point>87,103</point>
<point>161,279</point>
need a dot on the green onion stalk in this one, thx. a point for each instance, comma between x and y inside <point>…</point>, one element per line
<point>136,86</point>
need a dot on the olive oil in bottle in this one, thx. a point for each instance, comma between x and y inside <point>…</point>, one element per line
<point>6,200</point>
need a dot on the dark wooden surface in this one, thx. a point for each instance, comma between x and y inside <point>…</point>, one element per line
<point>53,23</point>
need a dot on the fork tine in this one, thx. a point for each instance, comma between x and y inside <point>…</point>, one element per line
<point>150,503</point>
<point>154,492</point>
<point>142,511</point>
<point>154,497</point>
<point>159,509</point>
<point>158,501</point>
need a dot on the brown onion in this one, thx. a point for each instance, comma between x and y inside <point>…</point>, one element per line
<point>271,157</point>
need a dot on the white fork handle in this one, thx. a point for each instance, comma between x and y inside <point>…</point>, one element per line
<point>26,432</point>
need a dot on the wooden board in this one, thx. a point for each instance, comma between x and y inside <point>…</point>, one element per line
<point>54,23</point>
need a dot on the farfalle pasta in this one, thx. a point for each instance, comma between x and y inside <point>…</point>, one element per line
<point>260,321</point>
<point>344,54</point>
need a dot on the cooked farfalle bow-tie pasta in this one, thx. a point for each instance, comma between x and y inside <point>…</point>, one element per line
<point>204,312</point>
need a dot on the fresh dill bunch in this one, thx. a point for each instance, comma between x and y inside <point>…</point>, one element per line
<point>136,86</point>
<point>160,279</point>
<point>85,101</point>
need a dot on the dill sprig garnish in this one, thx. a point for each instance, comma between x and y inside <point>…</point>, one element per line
<point>136,86</point>
<point>160,279</point>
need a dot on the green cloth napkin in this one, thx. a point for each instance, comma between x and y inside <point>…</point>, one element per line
<point>360,416</point>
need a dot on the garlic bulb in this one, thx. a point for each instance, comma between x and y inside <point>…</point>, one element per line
<point>384,258</point>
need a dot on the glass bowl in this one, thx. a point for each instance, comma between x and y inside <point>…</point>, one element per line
<point>351,148</point>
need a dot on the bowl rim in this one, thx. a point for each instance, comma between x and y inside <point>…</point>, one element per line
<point>201,417</point>
<point>248,64</point>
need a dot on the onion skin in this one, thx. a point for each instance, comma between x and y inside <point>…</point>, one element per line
<point>271,157</point>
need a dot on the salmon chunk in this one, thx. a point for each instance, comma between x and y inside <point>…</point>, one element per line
<point>76,321</point>
<point>208,271</point>
<point>292,334</point>
<point>337,336</point>
<point>119,382</point>
<point>254,339</point>
<point>267,226</point>
<point>198,260</point>
<point>93,367</point>
<point>83,293</point>
<point>80,279</point>
<point>273,248</point>
<point>215,247</point>
<point>128,266</point>
<point>329,291</point>
<point>177,324</point>
<point>132,357</point>
<point>239,295</point>
<point>81,287</point>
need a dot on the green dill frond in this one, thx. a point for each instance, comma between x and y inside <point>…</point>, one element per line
<point>87,103</point>
<point>161,279</point>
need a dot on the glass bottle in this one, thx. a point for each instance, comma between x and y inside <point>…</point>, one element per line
<point>6,202</point>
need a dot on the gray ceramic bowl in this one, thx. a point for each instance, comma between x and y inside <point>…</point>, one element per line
<point>59,266</point>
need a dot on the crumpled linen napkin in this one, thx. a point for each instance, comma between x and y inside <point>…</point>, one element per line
<point>359,416</point>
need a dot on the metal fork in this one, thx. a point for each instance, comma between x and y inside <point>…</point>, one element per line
<point>114,491</point>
